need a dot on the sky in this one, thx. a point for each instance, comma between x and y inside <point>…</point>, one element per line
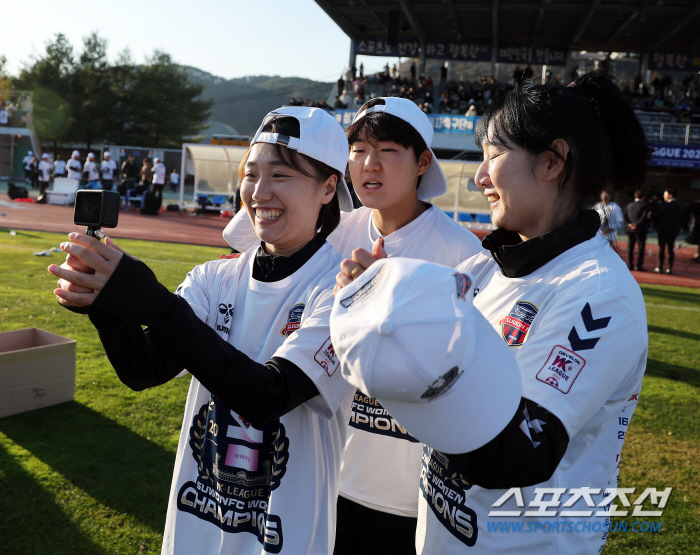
<point>228,38</point>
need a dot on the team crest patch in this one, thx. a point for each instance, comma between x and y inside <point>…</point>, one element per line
<point>561,369</point>
<point>516,324</point>
<point>327,358</point>
<point>293,320</point>
<point>463,285</point>
<point>443,384</point>
<point>364,291</point>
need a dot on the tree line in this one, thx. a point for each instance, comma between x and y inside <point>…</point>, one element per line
<point>84,99</point>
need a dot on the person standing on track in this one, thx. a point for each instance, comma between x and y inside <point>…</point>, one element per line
<point>75,168</point>
<point>637,221</point>
<point>668,226</point>
<point>109,171</point>
<point>258,462</point>
<point>394,172</point>
<point>568,309</point>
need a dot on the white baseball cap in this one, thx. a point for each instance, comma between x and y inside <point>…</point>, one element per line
<point>45,155</point>
<point>29,153</point>
<point>107,154</point>
<point>433,183</point>
<point>156,160</point>
<point>75,153</point>
<point>91,155</point>
<point>407,333</point>
<point>320,137</point>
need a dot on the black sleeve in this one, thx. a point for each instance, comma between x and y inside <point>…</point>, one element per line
<point>177,339</point>
<point>525,453</point>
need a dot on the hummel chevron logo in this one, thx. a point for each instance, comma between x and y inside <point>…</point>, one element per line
<point>591,324</point>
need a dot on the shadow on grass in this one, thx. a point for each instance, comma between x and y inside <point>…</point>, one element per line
<point>30,520</point>
<point>675,333</point>
<point>108,461</point>
<point>671,295</point>
<point>660,369</point>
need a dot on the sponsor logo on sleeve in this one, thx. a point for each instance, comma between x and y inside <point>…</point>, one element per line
<point>516,324</point>
<point>225,314</point>
<point>561,369</point>
<point>293,320</point>
<point>363,292</point>
<point>463,284</point>
<point>327,358</point>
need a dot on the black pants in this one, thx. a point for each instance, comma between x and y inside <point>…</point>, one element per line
<point>370,532</point>
<point>666,242</point>
<point>641,240</point>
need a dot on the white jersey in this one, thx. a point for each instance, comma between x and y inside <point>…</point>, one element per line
<point>108,167</point>
<point>59,166</point>
<point>381,464</point>
<point>577,327</point>
<point>75,169</point>
<point>44,171</point>
<point>175,178</point>
<point>27,162</point>
<point>93,173</point>
<point>246,490</point>
<point>159,174</point>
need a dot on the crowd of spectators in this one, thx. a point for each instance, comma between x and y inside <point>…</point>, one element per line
<point>661,96</point>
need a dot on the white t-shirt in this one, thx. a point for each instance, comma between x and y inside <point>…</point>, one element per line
<point>3,116</point>
<point>59,167</point>
<point>381,464</point>
<point>239,489</point>
<point>159,174</point>
<point>175,178</point>
<point>108,168</point>
<point>92,171</point>
<point>75,169</point>
<point>577,327</point>
<point>27,162</point>
<point>44,171</point>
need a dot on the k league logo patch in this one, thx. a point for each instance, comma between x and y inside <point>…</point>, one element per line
<point>516,324</point>
<point>327,358</point>
<point>293,320</point>
<point>561,369</point>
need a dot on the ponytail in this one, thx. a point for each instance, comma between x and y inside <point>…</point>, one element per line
<point>607,145</point>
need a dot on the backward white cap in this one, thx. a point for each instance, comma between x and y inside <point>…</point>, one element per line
<point>320,137</point>
<point>76,153</point>
<point>407,333</point>
<point>433,183</point>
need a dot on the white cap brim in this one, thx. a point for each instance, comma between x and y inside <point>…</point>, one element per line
<point>433,183</point>
<point>477,408</point>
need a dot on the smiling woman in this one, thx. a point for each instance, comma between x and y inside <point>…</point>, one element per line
<point>258,462</point>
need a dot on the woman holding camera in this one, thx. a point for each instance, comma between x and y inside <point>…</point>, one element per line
<point>258,462</point>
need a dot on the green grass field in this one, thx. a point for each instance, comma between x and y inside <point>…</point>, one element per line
<point>93,476</point>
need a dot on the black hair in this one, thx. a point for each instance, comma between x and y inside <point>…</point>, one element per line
<point>607,145</point>
<point>380,126</point>
<point>329,215</point>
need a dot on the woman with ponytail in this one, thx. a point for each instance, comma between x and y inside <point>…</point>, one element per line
<point>258,463</point>
<point>571,315</point>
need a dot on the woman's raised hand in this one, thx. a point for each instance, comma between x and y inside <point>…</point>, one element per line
<point>89,265</point>
<point>362,259</point>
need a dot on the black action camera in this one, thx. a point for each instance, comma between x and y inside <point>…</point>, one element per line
<point>96,209</point>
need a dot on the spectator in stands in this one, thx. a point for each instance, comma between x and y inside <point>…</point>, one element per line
<point>637,223</point>
<point>4,116</point>
<point>174,180</point>
<point>109,171</point>
<point>362,71</point>
<point>338,104</point>
<point>611,218</point>
<point>91,173</point>
<point>75,168</point>
<point>158,177</point>
<point>341,85</point>
<point>59,167</point>
<point>443,73</point>
<point>413,70</point>
<point>44,169</point>
<point>668,226</point>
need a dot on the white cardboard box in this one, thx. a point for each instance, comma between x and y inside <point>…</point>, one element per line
<point>37,369</point>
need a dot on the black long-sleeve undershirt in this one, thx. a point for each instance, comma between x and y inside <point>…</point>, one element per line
<point>526,452</point>
<point>177,339</point>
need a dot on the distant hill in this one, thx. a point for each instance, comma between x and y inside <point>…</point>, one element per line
<point>243,102</point>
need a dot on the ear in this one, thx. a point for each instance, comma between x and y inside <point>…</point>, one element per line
<point>424,162</point>
<point>556,160</point>
<point>329,187</point>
